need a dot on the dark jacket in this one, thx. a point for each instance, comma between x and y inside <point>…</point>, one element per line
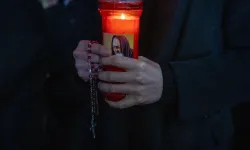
<point>23,66</point>
<point>203,49</point>
<point>209,55</point>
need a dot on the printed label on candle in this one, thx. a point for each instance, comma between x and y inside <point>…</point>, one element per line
<point>122,45</point>
<point>119,44</point>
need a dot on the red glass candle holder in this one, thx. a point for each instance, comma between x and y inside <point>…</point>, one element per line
<point>120,27</point>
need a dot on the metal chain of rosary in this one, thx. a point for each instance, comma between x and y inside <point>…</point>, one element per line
<point>93,70</point>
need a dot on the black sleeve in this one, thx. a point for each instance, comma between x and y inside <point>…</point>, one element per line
<point>22,43</point>
<point>210,84</point>
<point>80,20</point>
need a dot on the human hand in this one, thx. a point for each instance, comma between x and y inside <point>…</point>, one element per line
<point>143,81</point>
<point>81,57</point>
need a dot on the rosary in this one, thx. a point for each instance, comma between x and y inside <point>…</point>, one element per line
<point>93,73</point>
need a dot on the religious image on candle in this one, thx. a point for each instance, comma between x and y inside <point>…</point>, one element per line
<point>119,44</point>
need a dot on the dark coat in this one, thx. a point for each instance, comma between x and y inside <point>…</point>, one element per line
<point>204,54</point>
<point>23,66</point>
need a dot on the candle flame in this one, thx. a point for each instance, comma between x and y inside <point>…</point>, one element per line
<point>122,16</point>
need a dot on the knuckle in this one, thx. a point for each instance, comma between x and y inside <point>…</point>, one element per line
<point>80,55</point>
<point>142,65</point>
<point>140,90</point>
<point>111,88</point>
<point>139,100</point>
<point>81,66</point>
<point>115,59</point>
<point>76,53</point>
<point>85,56</point>
<point>109,103</point>
<point>139,77</point>
<point>121,106</point>
<point>102,48</point>
<point>95,48</point>
<point>98,47</point>
<point>77,65</point>
<point>85,78</point>
<point>104,51</point>
<point>81,74</point>
<point>108,76</point>
<point>95,58</point>
<point>83,42</point>
<point>157,65</point>
<point>115,105</point>
<point>78,62</point>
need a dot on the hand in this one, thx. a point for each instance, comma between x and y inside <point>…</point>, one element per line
<point>143,81</point>
<point>81,57</point>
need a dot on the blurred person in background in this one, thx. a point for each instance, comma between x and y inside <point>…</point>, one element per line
<point>40,101</point>
<point>24,62</point>
<point>44,104</point>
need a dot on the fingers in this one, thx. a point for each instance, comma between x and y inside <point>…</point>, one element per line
<point>121,77</point>
<point>83,55</point>
<point>122,62</point>
<point>96,48</point>
<point>148,61</point>
<point>100,50</point>
<point>82,45</point>
<point>83,74</point>
<point>129,89</point>
<point>127,102</point>
<point>81,65</point>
